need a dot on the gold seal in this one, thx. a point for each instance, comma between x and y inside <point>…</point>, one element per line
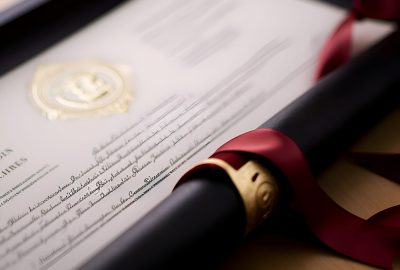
<point>82,89</point>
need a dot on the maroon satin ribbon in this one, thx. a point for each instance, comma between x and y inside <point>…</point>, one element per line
<point>337,49</point>
<point>375,241</point>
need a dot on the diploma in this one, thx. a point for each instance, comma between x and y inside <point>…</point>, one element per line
<point>98,129</point>
<point>205,215</point>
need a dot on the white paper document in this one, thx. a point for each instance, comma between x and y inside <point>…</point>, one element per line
<point>199,72</point>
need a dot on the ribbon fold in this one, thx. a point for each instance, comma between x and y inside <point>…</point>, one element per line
<point>375,241</point>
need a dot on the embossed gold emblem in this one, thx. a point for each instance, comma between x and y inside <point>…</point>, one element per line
<point>81,89</point>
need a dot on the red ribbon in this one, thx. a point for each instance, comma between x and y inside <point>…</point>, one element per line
<point>337,49</point>
<point>375,241</point>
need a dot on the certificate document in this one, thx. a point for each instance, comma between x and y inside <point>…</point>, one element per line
<point>98,129</point>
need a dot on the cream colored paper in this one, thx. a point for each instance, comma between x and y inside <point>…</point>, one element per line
<point>202,72</point>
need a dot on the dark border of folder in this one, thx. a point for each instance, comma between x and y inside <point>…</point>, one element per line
<point>31,29</point>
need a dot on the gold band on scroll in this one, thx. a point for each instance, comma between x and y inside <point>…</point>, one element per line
<point>257,188</point>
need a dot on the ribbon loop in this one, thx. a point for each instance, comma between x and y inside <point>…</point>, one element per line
<point>375,241</point>
<point>337,49</point>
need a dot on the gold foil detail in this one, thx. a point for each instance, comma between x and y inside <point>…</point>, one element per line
<point>82,89</point>
<point>256,186</point>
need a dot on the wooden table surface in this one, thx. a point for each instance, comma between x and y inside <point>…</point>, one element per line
<point>290,245</point>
